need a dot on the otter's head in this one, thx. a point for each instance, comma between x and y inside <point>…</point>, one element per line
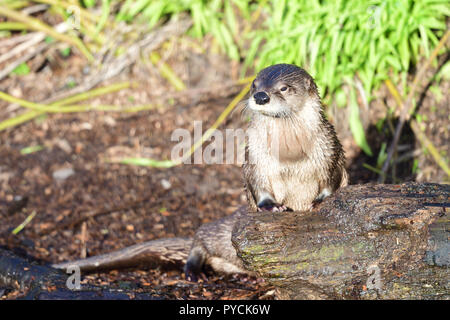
<point>281,90</point>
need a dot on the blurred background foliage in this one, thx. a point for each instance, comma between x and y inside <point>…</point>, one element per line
<point>334,40</point>
<point>349,47</point>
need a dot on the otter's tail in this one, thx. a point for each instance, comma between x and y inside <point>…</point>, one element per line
<point>169,253</point>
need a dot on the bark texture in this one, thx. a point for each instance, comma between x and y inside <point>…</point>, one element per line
<point>365,242</point>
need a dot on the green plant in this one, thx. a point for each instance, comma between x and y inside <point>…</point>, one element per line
<point>21,70</point>
<point>31,149</point>
<point>341,43</point>
<point>334,40</point>
<point>216,17</point>
<point>338,39</point>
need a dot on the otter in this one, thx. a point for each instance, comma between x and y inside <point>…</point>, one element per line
<point>293,160</point>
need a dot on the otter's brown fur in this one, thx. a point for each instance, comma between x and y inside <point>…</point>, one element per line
<point>293,155</point>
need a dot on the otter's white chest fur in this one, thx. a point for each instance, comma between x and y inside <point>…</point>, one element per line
<point>288,162</point>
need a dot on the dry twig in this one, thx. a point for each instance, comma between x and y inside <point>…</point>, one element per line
<point>426,143</point>
<point>407,108</point>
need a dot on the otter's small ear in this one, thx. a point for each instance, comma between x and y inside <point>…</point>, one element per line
<point>310,86</point>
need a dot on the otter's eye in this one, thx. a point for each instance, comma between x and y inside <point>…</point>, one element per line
<point>253,85</point>
<point>283,88</point>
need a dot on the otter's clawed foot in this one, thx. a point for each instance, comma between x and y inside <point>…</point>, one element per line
<point>194,276</point>
<point>193,272</point>
<point>268,205</point>
<point>316,203</point>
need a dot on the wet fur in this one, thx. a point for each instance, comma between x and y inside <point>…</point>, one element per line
<point>309,161</point>
<point>212,246</point>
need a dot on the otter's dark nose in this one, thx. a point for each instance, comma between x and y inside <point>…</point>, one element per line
<point>261,97</point>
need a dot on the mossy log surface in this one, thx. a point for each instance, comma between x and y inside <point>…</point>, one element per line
<point>365,242</point>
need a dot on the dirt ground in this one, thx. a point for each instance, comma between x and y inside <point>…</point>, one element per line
<point>71,175</point>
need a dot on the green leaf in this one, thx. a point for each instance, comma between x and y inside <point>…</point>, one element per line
<point>415,166</point>
<point>382,155</point>
<point>251,53</point>
<point>393,61</point>
<point>137,7</point>
<point>49,39</point>
<point>356,126</point>
<point>432,23</point>
<point>445,71</point>
<point>21,70</point>
<point>230,17</point>
<point>89,3</point>
<point>104,17</point>
<point>71,84</point>
<point>341,98</point>
<point>404,52</point>
<point>231,48</point>
<point>148,162</point>
<point>65,52</point>
<point>31,149</point>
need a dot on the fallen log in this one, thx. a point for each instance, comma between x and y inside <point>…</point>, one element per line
<point>366,242</point>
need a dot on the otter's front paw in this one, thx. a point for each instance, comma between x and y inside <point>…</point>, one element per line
<point>269,205</point>
<point>194,275</point>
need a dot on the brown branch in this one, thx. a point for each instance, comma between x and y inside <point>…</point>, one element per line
<point>426,143</point>
<point>112,65</point>
<point>7,70</point>
<point>407,107</point>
